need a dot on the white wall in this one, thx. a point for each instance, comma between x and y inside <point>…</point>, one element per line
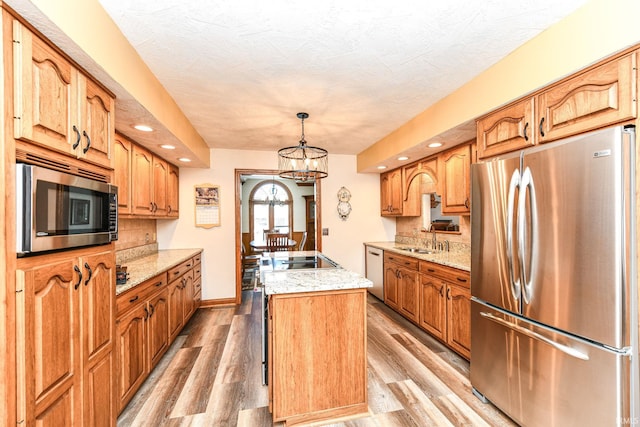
<point>343,244</point>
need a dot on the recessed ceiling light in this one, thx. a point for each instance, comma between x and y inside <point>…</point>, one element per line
<point>403,158</point>
<point>435,145</point>
<point>184,159</point>
<point>143,128</point>
<point>168,147</point>
<point>382,167</point>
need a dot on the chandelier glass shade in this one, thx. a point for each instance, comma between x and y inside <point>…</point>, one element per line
<point>303,163</point>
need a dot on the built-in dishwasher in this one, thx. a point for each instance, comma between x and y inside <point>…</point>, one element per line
<point>375,270</point>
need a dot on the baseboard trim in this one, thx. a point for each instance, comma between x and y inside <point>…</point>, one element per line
<point>217,302</point>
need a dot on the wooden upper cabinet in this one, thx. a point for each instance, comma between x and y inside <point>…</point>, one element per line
<point>598,97</point>
<point>391,193</point>
<point>508,129</point>
<point>142,181</point>
<point>55,105</point>
<point>456,180</point>
<point>173,191</point>
<point>160,174</point>
<point>97,123</point>
<point>601,96</point>
<point>122,155</point>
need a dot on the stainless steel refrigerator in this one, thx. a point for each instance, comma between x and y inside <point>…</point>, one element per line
<point>554,311</point>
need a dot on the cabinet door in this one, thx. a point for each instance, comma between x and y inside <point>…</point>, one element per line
<point>408,293</point>
<point>189,296</point>
<point>509,129</point>
<point>48,344</point>
<point>132,352</point>
<point>459,319</point>
<point>46,93</point>
<point>160,173</point>
<point>173,191</point>
<point>391,193</point>
<point>599,97</point>
<point>97,123</point>
<point>142,181</point>
<point>176,307</point>
<point>433,306</point>
<point>456,191</point>
<point>158,326</point>
<point>122,172</point>
<point>391,285</point>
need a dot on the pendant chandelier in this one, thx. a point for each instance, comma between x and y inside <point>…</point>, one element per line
<point>272,197</point>
<point>303,163</point>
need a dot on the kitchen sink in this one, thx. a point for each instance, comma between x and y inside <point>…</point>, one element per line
<point>417,250</point>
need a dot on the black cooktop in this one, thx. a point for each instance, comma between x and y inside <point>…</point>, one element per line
<point>302,262</point>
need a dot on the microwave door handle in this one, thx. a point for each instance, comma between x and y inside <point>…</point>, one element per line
<point>527,224</point>
<point>513,185</point>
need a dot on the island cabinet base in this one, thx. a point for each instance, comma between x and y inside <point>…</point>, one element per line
<point>317,356</point>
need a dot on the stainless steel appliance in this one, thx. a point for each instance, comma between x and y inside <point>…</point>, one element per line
<point>374,266</point>
<point>285,260</point>
<point>554,313</point>
<point>56,210</point>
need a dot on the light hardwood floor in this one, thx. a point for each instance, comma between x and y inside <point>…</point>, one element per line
<point>211,376</point>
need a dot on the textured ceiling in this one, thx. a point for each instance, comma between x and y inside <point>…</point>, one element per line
<point>241,70</point>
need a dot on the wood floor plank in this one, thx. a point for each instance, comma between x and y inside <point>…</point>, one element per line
<point>419,406</point>
<point>212,376</point>
<point>159,404</point>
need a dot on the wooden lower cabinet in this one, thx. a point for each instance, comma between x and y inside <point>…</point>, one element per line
<point>459,319</point>
<point>132,352</point>
<point>434,296</point>
<point>317,355</point>
<point>445,305</point>
<point>150,316</point>
<point>65,312</point>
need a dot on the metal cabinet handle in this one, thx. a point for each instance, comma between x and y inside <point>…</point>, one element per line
<point>466,203</point>
<point>448,293</point>
<point>77,270</point>
<point>157,284</point>
<point>86,135</point>
<point>461,279</point>
<point>442,290</point>
<point>134,299</point>
<point>541,129</point>
<point>146,313</point>
<point>75,144</point>
<point>86,265</point>
<point>526,125</point>
<point>153,310</point>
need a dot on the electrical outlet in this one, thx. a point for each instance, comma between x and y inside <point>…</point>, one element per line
<point>325,231</point>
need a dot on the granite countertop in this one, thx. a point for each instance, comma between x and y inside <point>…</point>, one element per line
<point>312,280</point>
<point>148,266</point>
<point>456,259</point>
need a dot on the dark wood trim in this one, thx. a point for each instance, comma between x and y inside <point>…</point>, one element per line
<point>238,220</point>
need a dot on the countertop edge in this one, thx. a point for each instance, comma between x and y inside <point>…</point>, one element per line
<point>459,260</point>
<point>146,267</point>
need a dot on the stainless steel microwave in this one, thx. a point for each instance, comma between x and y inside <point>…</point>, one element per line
<point>57,210</point>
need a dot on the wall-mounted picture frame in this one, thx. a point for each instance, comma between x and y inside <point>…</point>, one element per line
<point>207,205</point>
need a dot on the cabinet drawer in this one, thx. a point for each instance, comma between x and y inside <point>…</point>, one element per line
<point>197,284</point>
<point>197,259</point>
<point>452,275</point>
<point>407,262</point>
<point>197,271</point>
<point>140,293</point>
<point>180,269</point>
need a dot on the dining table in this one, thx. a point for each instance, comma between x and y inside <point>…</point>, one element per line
<point>261,245</point>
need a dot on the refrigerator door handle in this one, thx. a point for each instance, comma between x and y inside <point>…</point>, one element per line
<point>513,185</point>
<point>527,274</point>
<point>531,334</point>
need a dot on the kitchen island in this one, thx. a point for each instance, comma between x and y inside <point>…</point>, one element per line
<point>316,341</point>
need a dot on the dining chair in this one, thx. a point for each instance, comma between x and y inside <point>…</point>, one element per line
<point>249,261</point>
<point>303,240</point>
<point>277,242</point>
